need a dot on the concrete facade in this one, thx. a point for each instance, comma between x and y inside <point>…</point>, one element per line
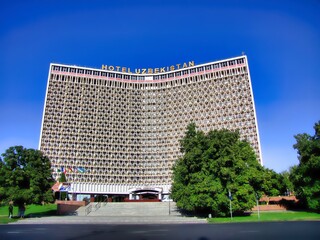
<point>112,132</point>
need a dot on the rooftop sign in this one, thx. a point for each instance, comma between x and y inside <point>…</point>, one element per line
<point>148,70</point>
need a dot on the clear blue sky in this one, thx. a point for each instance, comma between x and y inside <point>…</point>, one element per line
<point>280,38</point>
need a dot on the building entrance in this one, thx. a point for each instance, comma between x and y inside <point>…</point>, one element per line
<point>145,194</point>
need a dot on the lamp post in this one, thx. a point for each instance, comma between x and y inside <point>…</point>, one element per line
<point>169,204</point>
<point>257,199</point>
<point>230,199</point>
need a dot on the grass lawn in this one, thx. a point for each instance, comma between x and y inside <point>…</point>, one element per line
<point>269,216</point>
<point>31,211</point>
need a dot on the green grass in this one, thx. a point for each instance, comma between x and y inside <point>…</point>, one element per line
<point>31,211</point>
<point>270,216</point>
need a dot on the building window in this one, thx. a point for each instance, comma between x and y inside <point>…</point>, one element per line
<point>200,69</point>
<point>56,68</point>
<point>240,61</point>
<point>231,63</point>
<point>224,64</point>
<point>216,66</point>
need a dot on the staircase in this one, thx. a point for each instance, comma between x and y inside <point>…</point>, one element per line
<point>136,213</point>
<point>120,213</point>
<point>136,209</point>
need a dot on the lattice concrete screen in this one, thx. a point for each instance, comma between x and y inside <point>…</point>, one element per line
<point>114,131</point>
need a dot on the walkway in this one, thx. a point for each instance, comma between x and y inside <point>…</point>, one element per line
<point>121,213</point>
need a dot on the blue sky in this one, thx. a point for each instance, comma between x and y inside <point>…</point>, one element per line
<point>280,38</point>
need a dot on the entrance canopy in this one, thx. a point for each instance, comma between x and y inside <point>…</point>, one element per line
<point>145,193</point>
<point>145,190</point>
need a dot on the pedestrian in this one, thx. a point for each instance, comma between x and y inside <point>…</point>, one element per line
<point>22,209</point>
<point>10,210</point>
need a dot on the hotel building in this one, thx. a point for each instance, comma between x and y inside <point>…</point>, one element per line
<point>117,132</point>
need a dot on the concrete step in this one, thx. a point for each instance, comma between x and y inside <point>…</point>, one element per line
<point>85,210</point>
<point>120,213</point>
<point>137,209</point>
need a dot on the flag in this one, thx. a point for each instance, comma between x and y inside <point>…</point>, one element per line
<point>81,169</point>
<point>230,195</point>
<point>64,187</point>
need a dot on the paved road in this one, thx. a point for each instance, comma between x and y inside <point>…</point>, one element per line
<point>247,231</point>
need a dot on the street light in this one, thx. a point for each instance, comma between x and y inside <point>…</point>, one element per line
<point>169,204</point>
<point>257,200</point>
<point>230,198</point>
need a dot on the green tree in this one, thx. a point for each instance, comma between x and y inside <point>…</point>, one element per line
<point>62,178</point>
<point>25,176</point>
<point>306,175</point>
<point>275,184</point>
<point>286,184</point>
<point>213,164</point>
<point>271,182</point>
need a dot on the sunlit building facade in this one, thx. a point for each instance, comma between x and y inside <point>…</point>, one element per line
<point>117,132</point>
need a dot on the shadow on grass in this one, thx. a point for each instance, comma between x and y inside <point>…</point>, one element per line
<point>6,220</point>
<point>33,215</point>
<point>41,214</point>
<point>205,214</point>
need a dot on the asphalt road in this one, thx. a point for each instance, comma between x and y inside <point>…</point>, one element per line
<point>270,230</point>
